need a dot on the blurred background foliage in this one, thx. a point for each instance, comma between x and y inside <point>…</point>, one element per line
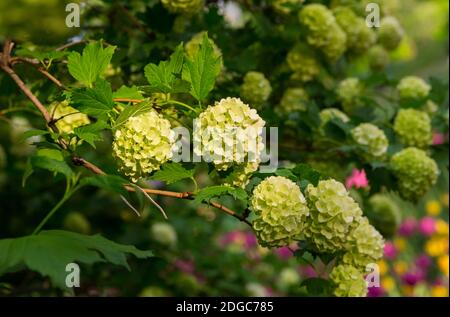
<point>201,252</point>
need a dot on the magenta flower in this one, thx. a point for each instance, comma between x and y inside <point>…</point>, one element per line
<point>390,252</point>
<point>427,226</point>
<point>412,278</point>
<point>283,253</point>
<point>185,266</point>
<point>358,179</point>
<point>250,240</point>
<point>307,271</point>
<point>423,261</point>
<point>438,138</point>
<point>375,292</point>
<point>407,227</point>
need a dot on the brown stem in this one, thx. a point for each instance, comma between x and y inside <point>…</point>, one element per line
<point>127,100</point>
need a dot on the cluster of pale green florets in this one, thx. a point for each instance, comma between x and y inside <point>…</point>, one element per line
<point>142,144</point>
<point>293,99</point>
<point>229,135</point>
<point>332,113</point>
<point>255,89</point>
<point>323,32</point>
<point>187,7</point>
<point>348,281</point>
<point>164,234</point>
<point>378,57</point>
<point>359,37</point>
<point>303,63</point>
<point>67,118</point>
<point>416,172</point>
<point>368,245</point>
<point>384,214</point>
<point>349,92</point>
<point>413,88</point>
<point>333,216</point>
<point>241,174</point>
<point>413,127</point>
<point>280,210</point>
<point>372,138</point>
<point>390,33</point>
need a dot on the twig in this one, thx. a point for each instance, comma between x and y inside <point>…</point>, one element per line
<point>128,100</point>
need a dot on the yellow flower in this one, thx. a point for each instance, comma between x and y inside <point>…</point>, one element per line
<point>400,267</point>
<point>388,283</point>
<point>443,264</point>
<point>383,267</point>
<point>433,207</point>
<point>439,291</point>
<point>407,290</point>
<point>436,246</point>
<point>444,199</point>
<point>441,227</point>
<point>400,243</point>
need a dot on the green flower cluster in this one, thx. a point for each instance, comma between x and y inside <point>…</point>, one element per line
<point>416,172</point>
<point>323,32</point>
<point>413,127</point>
<point>142,144</point>
<point>368,245</point>
<point>281,211</point>
<point>293,99</point>
<point>240,176</point>
<point>384,214</point>
<point>348,281</point>
<point>187,7</point>
<point>285,6</point>
<point>255,89</point>
<point>303,63</point>
<point>372,138</point>
<point>164,234</point>
<point>333,216</point>
<point>229,134</point>
<point>413,88</point>
<point>349,92</point>
<point>332,113</point>
<point>378,57</point>
<point>390,33</point>
<point>359,37</point>
<point>67,117</point>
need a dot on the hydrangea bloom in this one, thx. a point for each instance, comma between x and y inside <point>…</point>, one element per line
<point>241,174</point>
<point>187,7</point>
<point>164,233</point>
<point>229,133</point>
<point>348,281</point>
<point>385,214</point>
<point>416,172</point>
<point>323,32</point>
<point>255,89</point>
<point>303,63</point>
<point>349,92</point>
<point>378,57</point>
<point>280,209</point>
<point>293,99</point>
<point>367,247</point>
<point>413,87</point>
<point>390,33</point>
<point>372,138</point>
<point>414,128</point>
<point>67,117</point>
<point>333,216</point>
<point>142,144</point>
<point>332,113</point>
<point>359,36</point>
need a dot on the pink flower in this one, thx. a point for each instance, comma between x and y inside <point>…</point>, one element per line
<point>390,252</point>
<point>185,266</point>
<point>427,226</point>
<point>407,227</point>
<point>250,240</point>
<point>283,253</point>
<point>438,138</point>
<point>375,291</point>
<point>307,271</point>
<point>358,179</point>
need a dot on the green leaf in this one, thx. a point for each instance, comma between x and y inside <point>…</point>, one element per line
<point>307,175</point>
<point>52,165</point>
<point>91,132</point>
<point>172,172</point>
<point>49,252</point>
<point>128,93</point>
<point>91,64</point>
<point>132,111</point>
<point>95,101</point>
<point>165,77</point>
<point>205,194</point>
<point>112,183</point>
<point>318,286</point>
<point>201,71</point>
<point>286,173</point>
<point>45,57</point>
